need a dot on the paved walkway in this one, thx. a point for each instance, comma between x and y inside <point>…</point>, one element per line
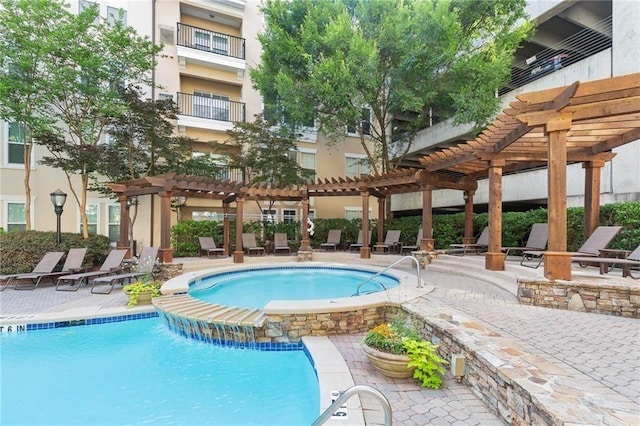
<point>603,348</point>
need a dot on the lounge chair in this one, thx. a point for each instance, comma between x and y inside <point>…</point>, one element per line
<point>208,247</point>
<point>280,243</point>
<point>417,246</point>
<point>72,264</point>
<point>391,241</point>
<point>46,265</point>
<point>333,240</point>
<point>249,244</point>
<point>482,243</point>
<point>627,263</point>
<point>145,267</point>
<point>538,238</point>
<point>358,244</point>
<point>597,241</point>
<point>111,265</point>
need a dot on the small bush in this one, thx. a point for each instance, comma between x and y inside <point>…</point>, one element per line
<point>21,251</point>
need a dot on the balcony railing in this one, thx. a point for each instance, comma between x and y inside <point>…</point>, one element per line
<point>211,41</point>
<point>210,108</point>
<point>579,46</point>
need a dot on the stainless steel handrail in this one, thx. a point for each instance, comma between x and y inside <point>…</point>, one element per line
<point>386,406</point>
<point>357,293</point>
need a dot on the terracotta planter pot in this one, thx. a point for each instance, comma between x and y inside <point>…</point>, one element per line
<point>389,364</point>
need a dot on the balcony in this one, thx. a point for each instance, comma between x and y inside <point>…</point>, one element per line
<point>209,48</point>
<point>209,112</point>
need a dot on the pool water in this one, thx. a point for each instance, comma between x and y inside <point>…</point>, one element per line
<point>138,372</point>
<point>256,288</point>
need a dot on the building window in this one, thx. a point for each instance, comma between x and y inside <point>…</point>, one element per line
<point>220,44</point>
<point>288,216</point>
<point>268,215</point>
<point>356,166</point>
<point>201,39</point>
<point>114,222</point>
<point>211,106</point>
<point>354,213</point>
<point>365,123</point>
<point>84,5</point>
<point>115,15</point>
<point>16,219</point>
<point>15,144</point>
<point>164,96</point>
<point>92,219</point>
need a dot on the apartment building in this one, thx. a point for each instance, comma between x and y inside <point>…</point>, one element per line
<point>581,40</point>
<point>209,48</point>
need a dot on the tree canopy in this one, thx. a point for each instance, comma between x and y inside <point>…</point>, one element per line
<point>402,61</point>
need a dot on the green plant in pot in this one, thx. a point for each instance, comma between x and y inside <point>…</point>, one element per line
<point>144,289</point>
<point>397,349</point>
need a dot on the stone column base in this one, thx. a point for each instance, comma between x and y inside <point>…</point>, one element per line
<point>305,255</point>
<point>165,255</point>
<point>557,265</point>
<point>494,261</point>
<point>238,257</point>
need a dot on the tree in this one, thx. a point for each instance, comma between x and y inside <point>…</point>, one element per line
<point>29,31</point>
<point>86,74</point>
<point>400,60</point>
<point>264,153</point>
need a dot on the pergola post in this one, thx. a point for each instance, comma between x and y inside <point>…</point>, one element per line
<point>226,229</point>
<point>125,224</point>
<point>494,258</point>
<point>365,250</point>
<point>238,254</point>
<point>468,217</point>
<point>305,243</point>
<point>165,252</point>
<point>592,171</point>
<point>427,241</point>
<point>381,212</point>
<point>557,262</point>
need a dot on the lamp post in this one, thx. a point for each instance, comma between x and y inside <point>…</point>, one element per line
<point>58,199</point>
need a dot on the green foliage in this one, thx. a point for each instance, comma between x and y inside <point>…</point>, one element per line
<point>144,285</point>
<point>390,337</point>
<point>21,251</point>
<point>429,365</point>
<point>326,60</point>
<point>184,235</point>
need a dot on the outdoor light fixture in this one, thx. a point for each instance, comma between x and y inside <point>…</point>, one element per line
<point>177,202</point>
<point>465,196</point>
<point>58,199</point>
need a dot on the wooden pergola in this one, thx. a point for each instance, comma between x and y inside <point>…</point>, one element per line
<point>552,128</point>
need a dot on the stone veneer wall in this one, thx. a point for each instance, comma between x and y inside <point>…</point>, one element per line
<point>292,327</point>
<point>602,298</point>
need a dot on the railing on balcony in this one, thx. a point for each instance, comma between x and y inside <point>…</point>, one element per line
<point>211,41</point>
<point>579,46</point>
<point>210,108</point>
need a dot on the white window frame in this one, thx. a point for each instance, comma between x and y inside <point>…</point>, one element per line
<point>268,215</point>
<point>301,151</point>
<point>5,149</point>
<point>357,211</point>
<point>360,166</point>
<point>97,222</point>
<point>204,36</point>
<point>288,218</point>
<point>16,199</point>
<point>108,222</point>
<point>355,133</point>
<point>85,4</point>
<point>113,15</point>
<point>219,44</point>
<point>214,106</point>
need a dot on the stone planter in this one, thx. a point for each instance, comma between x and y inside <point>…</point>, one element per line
<point>389,364</point>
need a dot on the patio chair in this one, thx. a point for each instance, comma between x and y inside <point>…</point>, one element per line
<point>538,238</point>
<point>627,263</point>
<point>417,246</point>
<point>208,247</point>
<point>249,244</point>
<point>391,241</point>
<point>482,243</point>
<point>46,265</point>
<point>597,241</point>
<point>333,240</point>
<point>72,264</point>
<point>358,244</point>
<point>145,267</point>
<point>111,265</point>
<point>280,243</point>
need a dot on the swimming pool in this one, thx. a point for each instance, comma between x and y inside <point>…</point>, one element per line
<point>135,372</point>
<point>256,287</point>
